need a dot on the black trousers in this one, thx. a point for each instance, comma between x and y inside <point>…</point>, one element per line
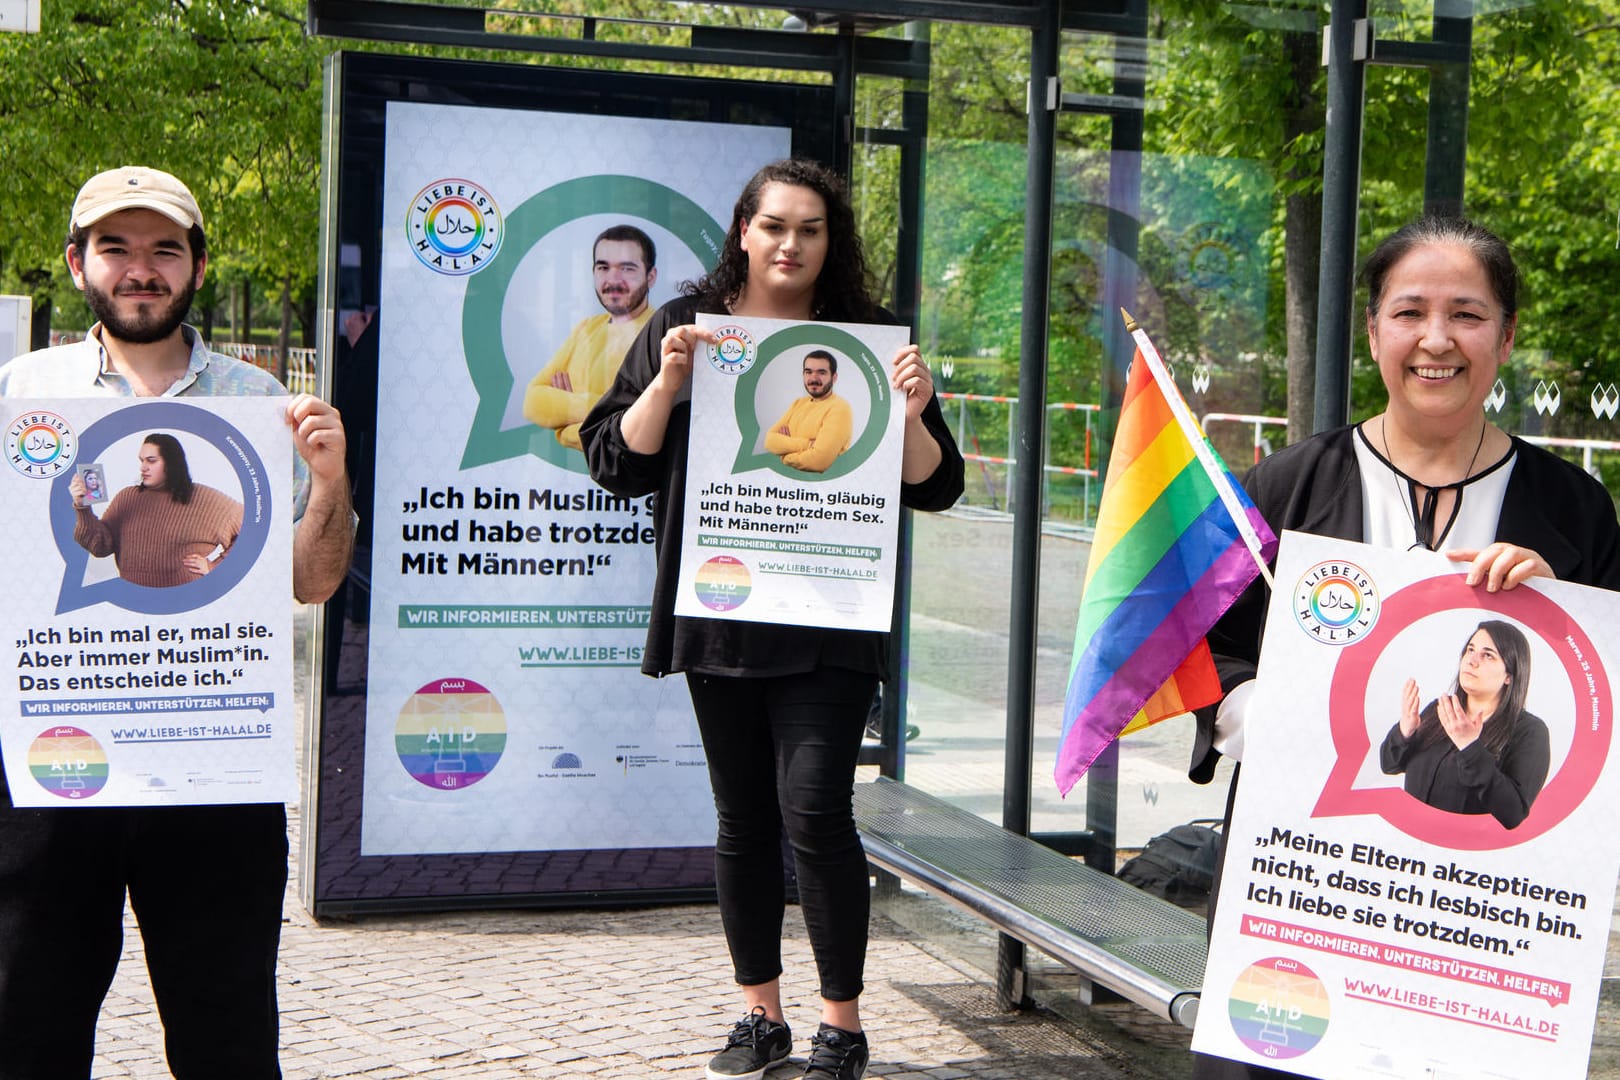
<point>206,884</point>
<point>782,752</point>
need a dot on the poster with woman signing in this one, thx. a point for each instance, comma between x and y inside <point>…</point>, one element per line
<point>1420,869</point>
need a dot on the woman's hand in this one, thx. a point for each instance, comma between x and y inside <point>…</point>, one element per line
<point>1409,708</point>
<point>197,564</point>
<point>76,489</point>
<point>920,454</point>
<point>645,422</point>
<point>1502,566</point>
<point>675,353</point>
<point>913,379</point>
<point>1460,726</point>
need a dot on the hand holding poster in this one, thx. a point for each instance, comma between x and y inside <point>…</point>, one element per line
<point>1410,892</point>
<point>154,646</point>
<point>793,476</point>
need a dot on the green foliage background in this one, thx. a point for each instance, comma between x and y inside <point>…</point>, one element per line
<point>228,95</point>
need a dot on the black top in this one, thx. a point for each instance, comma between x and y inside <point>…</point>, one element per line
<point>1471,781</point>
<point>1314,486</point>
<point>723,646</point>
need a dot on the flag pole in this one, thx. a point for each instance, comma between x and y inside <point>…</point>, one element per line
<point>1195,435</point>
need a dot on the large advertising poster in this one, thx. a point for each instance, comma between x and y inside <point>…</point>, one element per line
<point>1409,892</point>
<point>149,581</point>
<point>521,253</point>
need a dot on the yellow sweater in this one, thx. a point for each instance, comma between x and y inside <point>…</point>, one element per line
<point>826,423</point>
<point>590,358</point>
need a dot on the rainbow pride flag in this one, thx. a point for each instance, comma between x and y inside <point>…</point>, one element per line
<point>1177,541</point>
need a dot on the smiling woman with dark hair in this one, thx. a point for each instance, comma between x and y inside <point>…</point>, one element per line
<point>1475,750</point>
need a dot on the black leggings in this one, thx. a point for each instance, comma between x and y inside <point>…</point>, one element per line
<point>782,750</point>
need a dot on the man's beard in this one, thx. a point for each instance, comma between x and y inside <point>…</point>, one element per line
<point>632,304</point>
<point>150,324</point>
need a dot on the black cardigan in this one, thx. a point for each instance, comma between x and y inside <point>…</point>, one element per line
<point>1551,507</point>
<point>1472,781</point>
<point>722,646</point>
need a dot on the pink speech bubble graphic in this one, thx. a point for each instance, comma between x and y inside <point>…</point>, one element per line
<point>1589,749</point>
<point>1554,992</point>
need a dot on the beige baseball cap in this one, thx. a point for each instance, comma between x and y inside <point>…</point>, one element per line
<point>135,187</point>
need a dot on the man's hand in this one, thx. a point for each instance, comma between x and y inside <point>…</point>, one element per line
<point>323,543</point>
<point>318,436</point>
<point>561,381</point>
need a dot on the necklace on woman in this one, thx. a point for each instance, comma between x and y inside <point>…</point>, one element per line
<point>1423,516</point>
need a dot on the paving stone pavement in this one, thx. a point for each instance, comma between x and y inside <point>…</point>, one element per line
<point>621,994</point>
<point>624,993</point>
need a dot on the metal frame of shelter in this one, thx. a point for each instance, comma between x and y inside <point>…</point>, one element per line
<point>1349,46</point>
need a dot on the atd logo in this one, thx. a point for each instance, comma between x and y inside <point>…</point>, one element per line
<point>454,227</point>
<point>41,445</point>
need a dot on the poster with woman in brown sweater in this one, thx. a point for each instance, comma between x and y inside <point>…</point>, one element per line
<point>166,530</point>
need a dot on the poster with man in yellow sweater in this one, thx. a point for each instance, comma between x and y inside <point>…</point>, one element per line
<point>816,428</point>
<point>623,263</point>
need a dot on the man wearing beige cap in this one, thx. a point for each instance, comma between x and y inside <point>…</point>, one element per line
<point>206,882</point>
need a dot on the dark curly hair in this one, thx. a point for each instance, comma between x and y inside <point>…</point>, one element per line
<point>176,473</point>
<point>843,290</point>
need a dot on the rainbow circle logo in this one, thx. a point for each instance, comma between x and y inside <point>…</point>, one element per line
<point>68,762</point>
<point>1336,602</point>
<point>454,227</point>
<point>722,583</point>
<point>733,351</point>
<point>41,444</point>
<point>450,734</point>
<point>1278,1008</point>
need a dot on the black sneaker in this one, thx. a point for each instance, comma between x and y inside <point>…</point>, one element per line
<point>836,1054</point>
<point>754,1045</point>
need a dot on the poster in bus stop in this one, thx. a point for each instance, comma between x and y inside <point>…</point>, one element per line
<point>1408,894</point>
<point>151,615</point>
<point>793,474</point>
<point>523,251</point>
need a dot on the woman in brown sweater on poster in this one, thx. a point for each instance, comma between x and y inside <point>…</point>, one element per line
<point>166,530</point>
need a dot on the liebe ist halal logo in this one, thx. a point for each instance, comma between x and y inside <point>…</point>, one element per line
<point>454,227</point>
<point>41,444</point>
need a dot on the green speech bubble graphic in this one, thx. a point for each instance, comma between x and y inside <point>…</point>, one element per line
<point>826,337</point>
<point>629,196</point>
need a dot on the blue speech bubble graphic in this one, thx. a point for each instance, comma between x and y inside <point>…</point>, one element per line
<point>146,599</point>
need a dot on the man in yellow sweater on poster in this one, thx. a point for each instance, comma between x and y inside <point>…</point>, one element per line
<point>816,428</point>
<point>623,264</point>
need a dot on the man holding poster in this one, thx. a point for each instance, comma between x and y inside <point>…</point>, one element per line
<point>781,707</point>
<point>206,881</point>
<point>1429,472</point>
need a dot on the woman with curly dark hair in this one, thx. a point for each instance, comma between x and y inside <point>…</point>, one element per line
<point>782,709</point>
<point>1475,749</point>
